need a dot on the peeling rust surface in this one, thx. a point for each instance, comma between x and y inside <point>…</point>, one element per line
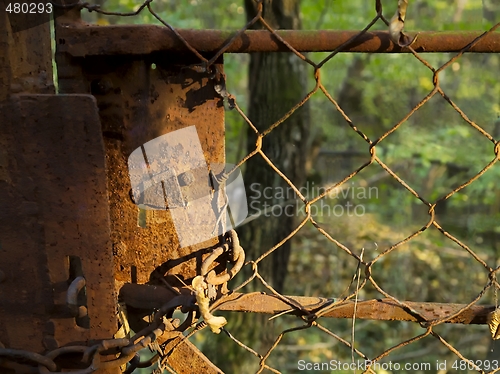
<point>143,296</point>
<point>256,302</point>
<point>380,309</point>
<point>80,41</point>
<point>140,99</point>
<point>145,104</point>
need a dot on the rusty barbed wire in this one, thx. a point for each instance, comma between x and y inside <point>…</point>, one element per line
<point>126,349</point>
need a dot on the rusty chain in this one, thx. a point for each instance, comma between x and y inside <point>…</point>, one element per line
<point>162,325</point>
<point>125,349</point>
<point>231,246</point>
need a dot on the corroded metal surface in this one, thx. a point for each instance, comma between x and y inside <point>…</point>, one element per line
<point>54,210</point>
<point>145,39</point>
<point>139,102</point>
<point>380,309</point>
<point>141,98</point>
<point>25,57</point>
<point>53,214</point>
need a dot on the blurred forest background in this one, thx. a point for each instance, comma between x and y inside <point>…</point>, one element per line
<point>434,151</point>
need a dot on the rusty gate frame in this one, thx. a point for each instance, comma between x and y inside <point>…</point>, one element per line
<point>73,218</point>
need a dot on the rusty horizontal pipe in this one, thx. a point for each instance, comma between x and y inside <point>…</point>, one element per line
<point>81,41</point>
<point>379,309</point>
<point>145,296</point>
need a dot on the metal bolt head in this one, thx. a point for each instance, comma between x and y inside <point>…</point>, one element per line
<point>186,179</point>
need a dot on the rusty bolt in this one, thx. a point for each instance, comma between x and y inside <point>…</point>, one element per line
<point>82,311</point>
<point>186,179</point>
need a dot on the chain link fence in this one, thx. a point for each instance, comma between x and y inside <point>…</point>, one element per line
<point>161,331</point>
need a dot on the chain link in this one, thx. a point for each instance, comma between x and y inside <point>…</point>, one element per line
<point>127,348</point>
<point>161,325</point>
<point>237,254</point>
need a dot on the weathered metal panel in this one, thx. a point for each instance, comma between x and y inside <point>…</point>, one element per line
<point>138,102</point>
<point>54,205</point>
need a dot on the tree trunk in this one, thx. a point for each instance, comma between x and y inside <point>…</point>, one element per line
<point>277,82</point>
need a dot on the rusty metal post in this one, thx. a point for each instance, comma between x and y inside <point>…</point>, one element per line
<point>55,223</point>
<point>25,66</point>
<point>25,58</point>
<point>54,218</point>
<point>140,100</point>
